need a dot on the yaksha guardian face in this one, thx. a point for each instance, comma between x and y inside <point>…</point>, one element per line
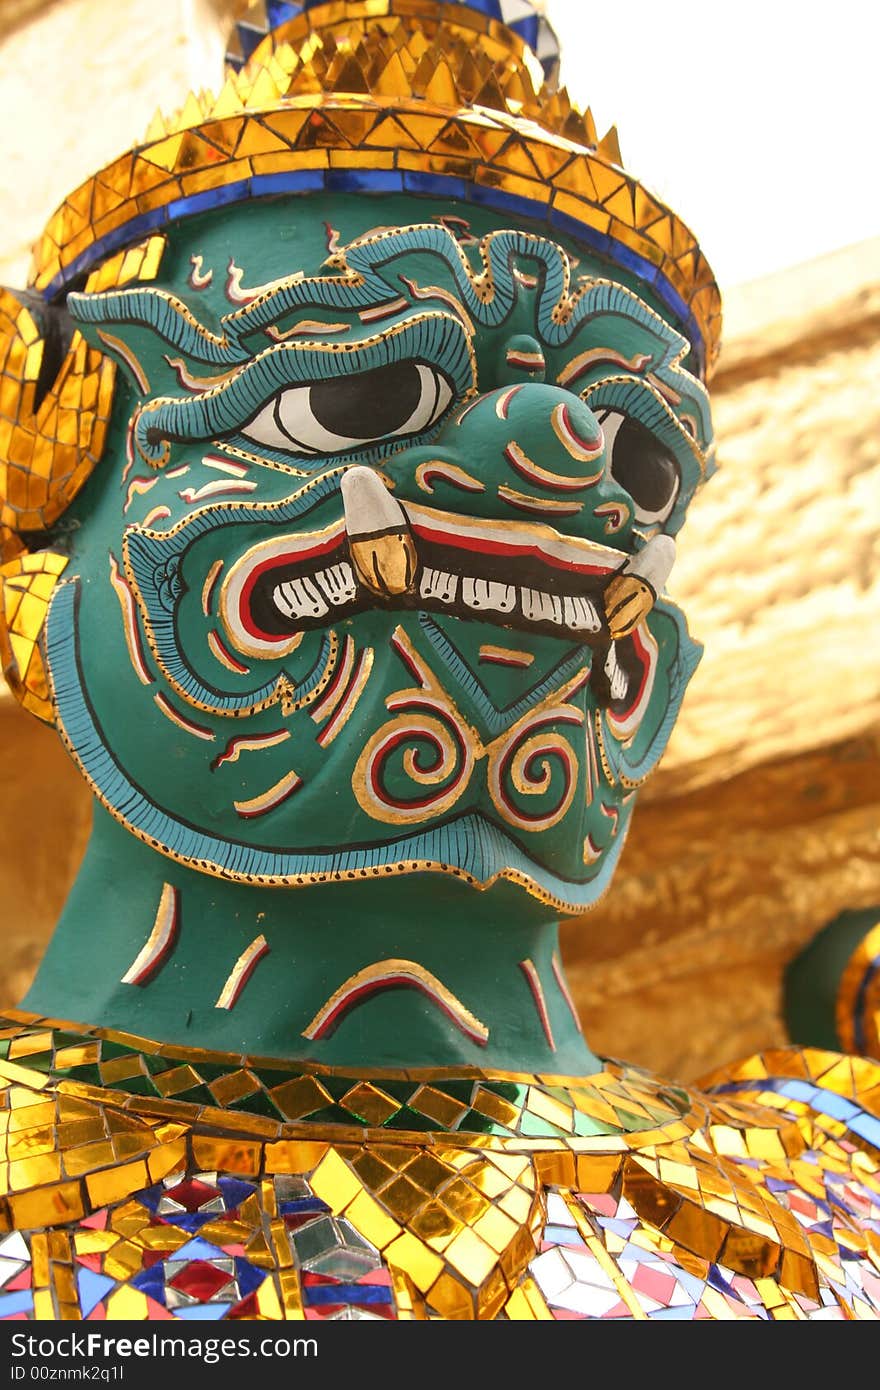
<point>371,580</point>
<point>360,509</point>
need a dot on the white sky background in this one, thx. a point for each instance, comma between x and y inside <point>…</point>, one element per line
<point>757,122</point>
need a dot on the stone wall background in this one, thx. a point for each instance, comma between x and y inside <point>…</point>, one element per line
<point>762,822</point>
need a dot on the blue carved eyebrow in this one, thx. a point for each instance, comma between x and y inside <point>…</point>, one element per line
<point>365,275</point>
<point>220,412</point>
<point>364,278</point>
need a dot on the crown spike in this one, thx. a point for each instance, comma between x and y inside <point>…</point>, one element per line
<point>609,147</point>
<point>353,68</point>
<point>157,129</point>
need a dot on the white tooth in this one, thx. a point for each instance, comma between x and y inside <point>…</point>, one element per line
<point>299,598</point>
<point>483,593</point>
<point>541,607</point>
<point>338,583</point>
<point>369,507</point>
<point>615,674</point>
<point>439,585</point>
<point>580,614</point>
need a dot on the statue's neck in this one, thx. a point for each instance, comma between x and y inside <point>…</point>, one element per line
<point>449,965</point>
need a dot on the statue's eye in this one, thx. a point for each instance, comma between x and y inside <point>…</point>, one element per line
<point>641,465</point>
<point>349,412</point>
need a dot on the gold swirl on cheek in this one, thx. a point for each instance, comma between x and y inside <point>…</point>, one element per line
<point>427,719</point>
<point>438,749</point>
<point>451,756</point>
<point>523,758</point>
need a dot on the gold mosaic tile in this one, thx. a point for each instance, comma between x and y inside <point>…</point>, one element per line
<point>464,1231</point>
<point>464,106</point>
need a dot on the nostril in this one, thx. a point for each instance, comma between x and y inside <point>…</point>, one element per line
<point>522,360</point>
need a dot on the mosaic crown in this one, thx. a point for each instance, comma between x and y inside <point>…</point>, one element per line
<point>457,98</point>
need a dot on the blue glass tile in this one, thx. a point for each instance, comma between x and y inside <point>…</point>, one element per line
<point>507,202</point>
<point>364,181</point>
<point>292,181</point>
<point>777,1185</point>
<point>299,1204</point>
<point>414,181</point>
<point>527,30</point>
<point>248,1276</point>
<point>317,1294</point>
<point>691,1283</point>
<point>199,1250</point>
<point>92,1288</point>
<point>280,11</point>
<point>211,198</point>
<point>620,1226</point>
<point>191,1221</point>
<point>837,1106</point>
<point>561,1235</point>
<point>867,1128</point>
<point>149,1197</point>
<point>20,1302</point>
<point>718,1281</point>
<point>202,1312</point>
<point>249,36</point>
<point>151,1282</point>
<point>798,1090</point>
<point>235,1192</point>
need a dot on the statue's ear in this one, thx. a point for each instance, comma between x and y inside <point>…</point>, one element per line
<point>55,399</point>
<point>56,393</point>
<point>55,396</point>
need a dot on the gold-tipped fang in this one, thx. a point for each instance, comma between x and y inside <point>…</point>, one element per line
<point>628,601</point>
<point>385,564</point>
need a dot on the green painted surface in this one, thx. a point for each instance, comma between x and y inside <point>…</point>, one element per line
<point>813,978</point>
<point>189,483</point>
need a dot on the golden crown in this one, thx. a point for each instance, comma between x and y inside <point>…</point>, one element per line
<point>384,95</point>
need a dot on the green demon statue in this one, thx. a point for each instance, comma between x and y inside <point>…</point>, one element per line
<point>346,429</point>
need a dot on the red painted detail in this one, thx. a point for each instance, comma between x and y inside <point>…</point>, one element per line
<point>233,660</point>
<point>407,660</point>
<point>484,546</point>
<point>252,740</point>
<point>293,557</point>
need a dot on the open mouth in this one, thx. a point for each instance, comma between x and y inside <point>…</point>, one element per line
<point>383,553</point>
<point>401,555</point>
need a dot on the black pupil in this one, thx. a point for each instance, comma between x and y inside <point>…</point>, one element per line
<point>642,466</point>
<point>368,404</point>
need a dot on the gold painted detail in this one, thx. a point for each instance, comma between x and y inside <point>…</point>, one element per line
<point>241,972</point>
<point>426,716</point>
<point>385,974</point>
<point>160,941</point>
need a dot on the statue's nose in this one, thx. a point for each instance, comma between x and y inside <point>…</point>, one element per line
<point>524,451</point>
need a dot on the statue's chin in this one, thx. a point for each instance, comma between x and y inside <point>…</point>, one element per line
<point>469,845</point>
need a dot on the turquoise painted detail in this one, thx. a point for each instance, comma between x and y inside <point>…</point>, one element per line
<point>373,263</point>
<point>496,720</point>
